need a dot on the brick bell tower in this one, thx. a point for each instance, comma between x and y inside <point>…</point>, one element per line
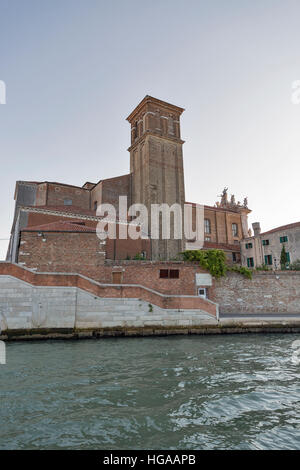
<point>156,164</point>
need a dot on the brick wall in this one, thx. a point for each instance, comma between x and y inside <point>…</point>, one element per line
<point>122,249</point>
<point>221,225</point>
<point>52,194</point>
<point>108,191</point>
<point>82,253</point>
<point>148,275</point>
<point>62,252</point>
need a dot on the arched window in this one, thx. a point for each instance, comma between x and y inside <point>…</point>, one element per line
<point>235,230</point>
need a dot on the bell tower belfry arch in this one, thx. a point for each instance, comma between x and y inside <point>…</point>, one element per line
<point>156,164</point>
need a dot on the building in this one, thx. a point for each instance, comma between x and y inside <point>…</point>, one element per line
<point>54,226</point>
<point>265,248</point>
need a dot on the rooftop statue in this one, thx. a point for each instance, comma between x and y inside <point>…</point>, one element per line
<point>223,197</point>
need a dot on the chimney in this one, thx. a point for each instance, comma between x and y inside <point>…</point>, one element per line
<point>256,228</point>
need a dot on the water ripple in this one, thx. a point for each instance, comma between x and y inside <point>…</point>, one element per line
<point>209,392</point>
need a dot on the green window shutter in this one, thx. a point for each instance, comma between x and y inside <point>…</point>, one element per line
<point>266,259</point>
<point>288,258</point>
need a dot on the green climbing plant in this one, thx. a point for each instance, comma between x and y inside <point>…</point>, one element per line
<point>241,270</point>
<point>295,266</point>
<point>214,261</point>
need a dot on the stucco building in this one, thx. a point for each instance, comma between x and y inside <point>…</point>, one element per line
<point>265,248</point>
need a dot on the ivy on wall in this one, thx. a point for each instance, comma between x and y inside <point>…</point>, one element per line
<point>214,261</point>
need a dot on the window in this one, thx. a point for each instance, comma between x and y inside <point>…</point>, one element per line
<point>207,226</point>
<point>174,273</point>
<point>283,239</point>
<point>117,278</point>
<point>95,205</point>
<point>235,231</point>
<point>250,262</point>
<point>266,242</point>
<point>268,260</point>
<point>234,257</point>
<point>288,258</point>
<point>67,202</point>
<point>169,273</point>
<point>207,239</point>
<point>163,273</point>
<point>249,245</point>
<point>202,292</point>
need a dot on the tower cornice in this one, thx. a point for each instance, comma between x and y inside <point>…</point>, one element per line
<point>150,99</point>
<point>175,140</point>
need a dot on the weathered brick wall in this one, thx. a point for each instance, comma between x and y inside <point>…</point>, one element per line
<point>82,253</point>
<point>265,293</point>
<point>147,274</point>
<point>62,252</point>
<point>41,195</point>
<point>54,195</point>
<point>109,190</point>
<point>122,249</point>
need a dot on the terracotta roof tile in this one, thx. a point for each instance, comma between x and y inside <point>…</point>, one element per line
<point>222,246</point>
<point>72,209</point>
<point>61,226</point>
<point>283,227</point>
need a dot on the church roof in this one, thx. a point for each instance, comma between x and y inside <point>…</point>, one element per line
<point>61,226</point>
<point>222,246</point>
<point>69,209</point>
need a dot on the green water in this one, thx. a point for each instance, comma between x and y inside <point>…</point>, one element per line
<point>198,392</point>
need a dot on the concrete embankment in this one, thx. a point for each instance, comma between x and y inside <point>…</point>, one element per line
<point>228,326</point>
<point>36,306</point>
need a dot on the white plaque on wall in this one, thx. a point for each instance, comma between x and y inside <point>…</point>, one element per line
<point>203,279</point>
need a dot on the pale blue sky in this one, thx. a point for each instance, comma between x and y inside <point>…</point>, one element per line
<point>74,70</point>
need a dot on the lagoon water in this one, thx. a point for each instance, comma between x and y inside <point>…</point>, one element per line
<point>197,392</point>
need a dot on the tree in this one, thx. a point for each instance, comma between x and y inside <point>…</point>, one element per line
<point>283,258</point>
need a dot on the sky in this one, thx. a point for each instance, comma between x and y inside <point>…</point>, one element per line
<point>75,69</point>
